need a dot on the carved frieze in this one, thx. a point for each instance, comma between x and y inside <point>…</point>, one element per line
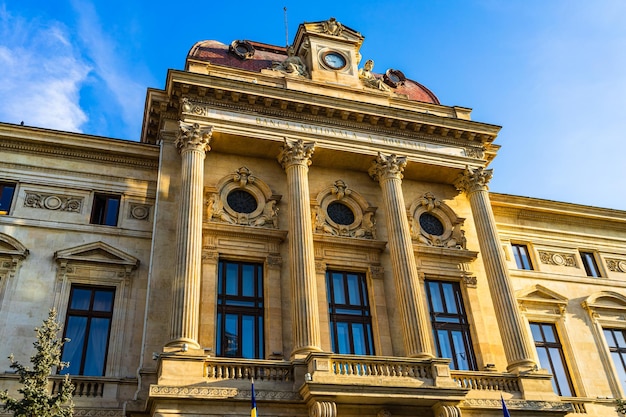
<point>558,258</point>
<point>91,412</point>
<point>616,265</point>
<point>220,393</point>
<point>56,202</point>
<point>518,404</point>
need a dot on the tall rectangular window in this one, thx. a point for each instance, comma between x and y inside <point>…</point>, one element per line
<point>240,331</point>
<point>616,339</point>
<point>522,258</point>
<point>6,197</point>
<point>350,318</point>
<point>105,209</point>
<point>450,325</point>
<point>88,325</point>
<point>551,357</point>
<point>589,262</point>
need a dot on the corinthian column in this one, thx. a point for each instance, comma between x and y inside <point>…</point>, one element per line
<point>295,158</point>
<point>517,346</point>
<point>192,143</point>
<point>387,170</point>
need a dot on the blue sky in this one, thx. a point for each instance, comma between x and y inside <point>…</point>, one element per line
<point>551,72</point>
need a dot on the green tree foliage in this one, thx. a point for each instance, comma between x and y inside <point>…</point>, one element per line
<point>37,399</point>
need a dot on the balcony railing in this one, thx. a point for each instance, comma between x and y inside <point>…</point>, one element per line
<point>486,381</point>
<point>379,367</point>
<point>223,368</point>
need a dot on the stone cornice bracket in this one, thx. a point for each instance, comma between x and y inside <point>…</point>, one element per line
<point>296,152</point>
<point>193,137</point>
<point>472,180</point>
<point>387,167</point>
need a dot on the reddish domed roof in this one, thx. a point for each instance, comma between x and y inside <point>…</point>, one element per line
<point>265,55</point>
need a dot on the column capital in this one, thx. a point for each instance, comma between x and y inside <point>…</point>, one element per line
<point>193,137</point>
<point>296,152</point>
<point>472,180</point>
<point>387,167</point>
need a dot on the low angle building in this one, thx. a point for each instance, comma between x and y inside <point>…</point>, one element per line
<point>293,217</point>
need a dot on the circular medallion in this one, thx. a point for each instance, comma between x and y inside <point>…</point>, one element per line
<point>52,202</point>
<point>622,266</point>
<point>431,224</point>
<point>241,201</point>
<point>334,60</point>
<point>340,213</point>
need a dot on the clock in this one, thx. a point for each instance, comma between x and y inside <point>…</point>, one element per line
<point>334,60</point>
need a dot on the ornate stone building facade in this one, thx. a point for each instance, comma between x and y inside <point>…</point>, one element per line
<point>296,218</point>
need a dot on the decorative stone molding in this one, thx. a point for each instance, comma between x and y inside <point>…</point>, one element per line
<point>331,27</point>
<point>243,199</point>
<point>296,152</point>
<point>323,409</point>
<point>616,265</point>
<point>556,258</point>
<point>433,223</point>
<point>320,267</point>
<point>139,211</point>
<point>383,413</point>
<point>446,410</point>
<point>340,211</point>
<point>518,405</point>
<point>193,137</point>
<point>57,202</point>
<point>387,166</point>
<point>377,272</point>
<point>166,391</point>
<point>538,300</point>
<point>274,261</point>
<point>474,152</point>
<point>98,254</point>
<point>473,179</point>
<point>241,49</point>
<point>470,281</point>
<point>91,412</point>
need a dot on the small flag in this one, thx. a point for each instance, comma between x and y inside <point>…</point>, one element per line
<point>253,410</point>
<point>505,411</point>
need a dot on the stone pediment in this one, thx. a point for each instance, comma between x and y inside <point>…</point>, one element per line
<point>11,247</point>
<point>605,300</point>
<point>96,252</point>
<point>538,294</point>
<point>331,27</point>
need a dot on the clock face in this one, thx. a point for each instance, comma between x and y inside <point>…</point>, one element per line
<point>334,60</point>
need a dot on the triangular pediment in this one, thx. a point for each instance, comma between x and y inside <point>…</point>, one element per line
<point>540,295</point>
<point>97,252</point>
<point>606,300</point>
<point>12,247</point>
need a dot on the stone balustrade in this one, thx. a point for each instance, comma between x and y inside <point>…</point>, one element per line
<point>223,368</point>
<point>486,381</point>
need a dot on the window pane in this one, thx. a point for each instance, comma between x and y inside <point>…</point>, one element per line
<point>445,349</point>
<point>354,295</point>
<point>338,290</point>
<point>103,301</point>
<point>462,357</point>
<point>343,338</point>
<point>248,286</point>
<point>548,333</point>
<point>448,293</point>
<point>73,350</point>
<point>232,281</point>
<point>113,205</point>
<point>96,347</point>
<point>6,196</point>
<point>619,338</point>
<point>536,331</point>
<point>358,337</point>
<point>232,335</point>
<point>435,297</point>
<point>248,338</point>
<point>610,340</point>
<point>559,372</point>
<point>81,298</point>
<point>550,353</point>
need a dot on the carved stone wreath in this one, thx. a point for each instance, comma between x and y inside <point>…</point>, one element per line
<point>433,223</point>
<point>243,199</point>
<point>340,211</point>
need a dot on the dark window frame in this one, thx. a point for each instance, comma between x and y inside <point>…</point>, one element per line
<point>90,314</point>
<point>617,352</point>
<point>551,347</point>
<point>6,199</point>
<point>451,320</point>
<point>100,211</point>
<point>349,313</point>
<point>590,264</point>
<point>240,306</point>
<point>522,256</point>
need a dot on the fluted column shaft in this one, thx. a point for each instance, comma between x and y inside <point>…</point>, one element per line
<point>295,157</point>
<point>517,345</point>
<point>192,143</point>
<point>387,170</point>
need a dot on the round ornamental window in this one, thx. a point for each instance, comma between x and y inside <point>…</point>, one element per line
<point>241,201</point>
<point>431,224</point>
<point>340,213</point>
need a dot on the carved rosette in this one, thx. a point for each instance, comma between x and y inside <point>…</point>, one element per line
<point>53,202</point>
<point>323,409</point>
<point>616,265</point>
<point>193,137</point>
<point>472,180</point>
<point>387,166</point>
<point>296,152</point>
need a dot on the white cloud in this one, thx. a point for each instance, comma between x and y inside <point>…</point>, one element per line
<point>42,74</point>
